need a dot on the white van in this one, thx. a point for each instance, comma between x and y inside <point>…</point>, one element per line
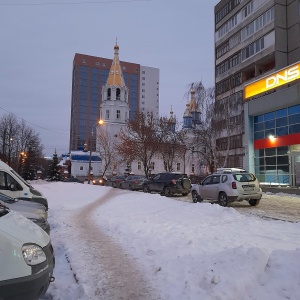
<point>27,259</point>
<point>13,185</point>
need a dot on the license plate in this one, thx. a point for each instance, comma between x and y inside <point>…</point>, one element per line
<point>248,188</point>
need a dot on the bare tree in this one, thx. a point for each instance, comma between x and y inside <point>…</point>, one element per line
<point>220,120</point>
<point>15,138</point>
<point>140,140</point>
<point>172,142</point>
<point>106,148</point>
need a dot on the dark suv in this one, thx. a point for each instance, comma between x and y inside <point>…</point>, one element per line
<point>168,184</point>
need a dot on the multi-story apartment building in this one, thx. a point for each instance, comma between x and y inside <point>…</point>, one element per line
<point>90,74</point>
<point>257,49</point>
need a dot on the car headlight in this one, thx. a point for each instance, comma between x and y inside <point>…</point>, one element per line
<point>33,254</point>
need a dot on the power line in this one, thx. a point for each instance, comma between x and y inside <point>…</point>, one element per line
<point>64,133</point>
<point>71,3</point>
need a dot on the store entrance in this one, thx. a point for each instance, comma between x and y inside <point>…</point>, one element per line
<point>295,167</point>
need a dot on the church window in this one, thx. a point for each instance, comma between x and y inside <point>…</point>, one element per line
<point>118,114</point>
<point>118,93</point>
<point>178,166</point>
<point>108,94</point>
<point>139,165</point>
<point>107,115</point>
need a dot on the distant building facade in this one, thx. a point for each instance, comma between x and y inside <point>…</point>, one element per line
<point>257,47</point>
<point>89,75</point>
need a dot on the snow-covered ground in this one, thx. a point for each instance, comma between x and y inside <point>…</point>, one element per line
<point>186,250</point>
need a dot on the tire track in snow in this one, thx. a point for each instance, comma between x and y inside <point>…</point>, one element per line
<point>113,272</point>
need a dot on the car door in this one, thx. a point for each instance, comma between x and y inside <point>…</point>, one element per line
<point>210,187</point>
<point>157,183</point>
<point>204,188</point>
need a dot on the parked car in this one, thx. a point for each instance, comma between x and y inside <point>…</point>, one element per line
<point>27,258</point>
<point>33,211</point>
<point>72,179</point>
<point>116,180</point>
<point>13,185</point>
<point>168,184</point>
<point>228,185</point>
<point>133,182</point>
<point>99,181</point>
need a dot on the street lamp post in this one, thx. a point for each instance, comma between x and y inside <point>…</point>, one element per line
<point>100,122</point>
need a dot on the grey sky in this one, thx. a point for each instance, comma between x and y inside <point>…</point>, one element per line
<point>38,44</point>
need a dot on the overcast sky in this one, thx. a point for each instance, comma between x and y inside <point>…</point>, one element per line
<point>39,38</point>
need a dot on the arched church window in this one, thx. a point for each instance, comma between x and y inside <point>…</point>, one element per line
<point>118,94</point>
<point>108,94</point>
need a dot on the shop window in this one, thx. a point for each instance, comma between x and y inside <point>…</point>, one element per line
<point>281,122</point>
<point>294,129</point>
<point>270,124</point>
<point>270,151</point>
<point>294,110</point>
<point>281,113</point>
<point>282,131</point>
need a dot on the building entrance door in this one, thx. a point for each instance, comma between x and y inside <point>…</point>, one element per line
<point>295,168</point>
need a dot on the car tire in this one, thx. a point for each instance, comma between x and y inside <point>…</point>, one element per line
<point>254,202</point>
<point>186,183</point>
<point>195,197</point>
<point>223,199</point>
<point>167,191</point>
<point>146,189</point>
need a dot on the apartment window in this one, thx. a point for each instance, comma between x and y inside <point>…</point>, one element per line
<point>143,96</point>
<point>103,65</point>
<point>143,72</point>
<point>143,84</point>
<point>123,68</point>
<point>143,90</point>
<point>97,63</point>
<point>236,141</point>
<point>139,165</point>
<point>81,168</point>
<point>225,10</point>
<point>178,166</point>
<point>83,61</point>
<point>247,10</point>
<point>118,114</point>
<point>143,78</point>
<point>253,48</point>
<point>107,114</point>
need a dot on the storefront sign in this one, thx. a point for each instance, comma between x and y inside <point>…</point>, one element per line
<point>272,81</point>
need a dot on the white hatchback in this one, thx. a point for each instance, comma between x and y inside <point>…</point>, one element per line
<point>228,185</point>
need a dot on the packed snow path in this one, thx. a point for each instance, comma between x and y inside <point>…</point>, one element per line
<point>115,274</point>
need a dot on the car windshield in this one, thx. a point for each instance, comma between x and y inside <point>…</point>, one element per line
<point>244,177</point>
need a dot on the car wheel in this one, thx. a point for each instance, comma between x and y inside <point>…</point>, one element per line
<point>254,202</point>
<point>146,189</point>
<point>223,200</point>
<point>195,197</point>
<point>167,192</point>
